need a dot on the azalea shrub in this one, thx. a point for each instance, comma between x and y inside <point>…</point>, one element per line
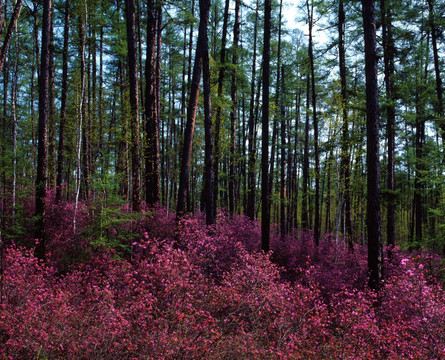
<point>188,291</point>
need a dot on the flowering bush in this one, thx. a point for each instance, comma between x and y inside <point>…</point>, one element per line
<point>187,291</point>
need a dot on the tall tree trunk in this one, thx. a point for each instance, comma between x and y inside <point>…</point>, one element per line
<point>184,177</point>
<point>43,131</point>
<point>345,142</point>
<point>81,110</point>
<point>274,156</point>
<point>233,113</point>
<point>159,165</point>
<point>216,158</point>
<point>94,150</point>
<point>86,140</point>
<point>314,114</point>
<point>61,152</point>
<point>439,89</point>
<point>328,186</point>
<point>51,115</point>
<point>134,103</point>
<point>419,166</point>
<point>86,116</point>
<point>388,55</point>
<point>208,161</point>
<point>14,127</point>
<point>265,195</point>
<point>375,248</point>
<point>295,174</point>
<point>104,152</point>
<point>304,200</point>
<point>140,67</point>
<point>250,212</point>
<point>35,68</point>
<point>8,35</point>
<point>283,199</point>
<point>152,179</point>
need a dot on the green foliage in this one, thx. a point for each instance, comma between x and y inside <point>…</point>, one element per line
<point>437,241</point>
<point>112,224</point>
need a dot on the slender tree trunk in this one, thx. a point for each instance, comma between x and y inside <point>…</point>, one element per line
<point>328,196</point>
<point>295,174</point>
<point>375,248</point>
<point>265,195</point>
<point>283,199</point>
<point>81,111</point>
<point>51,115</point>
<point>418,183</point>
<point>86,117</point>
<point>274,157</point>
<point>252,148</point>
<point>388,55</point>
<point>152,179</point>
<point>94,150</point>
<point>208,161</point>
<point>61,152</point>
<point>8,35</point>
<point>216,158</point>
<point>439,89</point>
<point>314,114</point>
<point>14,128</point>
<point>140,67</point>
<point>35,68</point>
<point>289,170</point>
<point>345,142</point>
<point>160,127</point>
<point>184,177</point>
<point>233,113</point>
<point>104,152</point>
<point>304,200</point>
<point>134,103</point>
<point>43,131</point>
<point>86,131</point>
<point>1,16</point>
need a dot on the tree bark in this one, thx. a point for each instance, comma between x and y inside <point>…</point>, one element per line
<point>304,200</point>
<point>345,142</point>
<point>315,123</point>
<point>439,89</point>
<point>152,179</point>
<point>9,31</point>
<point>43,131</point>
<point>265,196</point>
<point>221,72</point>
<point>51,115</point>
<point>250,211</point>
<point>295,175</point>
<point>375,248</point>
<point>388,56</point>
<point>184,177</point>
<point>208,161</point>
<point>61,152</point>
<point>283,200</point>
<point>134,103</point>
<point>81,110</point>
<point>418,210</point>
<point>233,113</point>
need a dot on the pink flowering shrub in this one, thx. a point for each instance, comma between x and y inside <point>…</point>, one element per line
<point>186,291</point>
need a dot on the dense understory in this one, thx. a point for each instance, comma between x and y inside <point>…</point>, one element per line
<point>141,287</point>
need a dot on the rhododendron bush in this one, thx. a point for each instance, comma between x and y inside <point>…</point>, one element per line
<point>191,292</point>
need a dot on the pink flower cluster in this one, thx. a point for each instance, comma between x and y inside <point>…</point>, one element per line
<point>209,293</point>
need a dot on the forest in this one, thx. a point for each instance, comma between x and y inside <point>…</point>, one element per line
<point>222,179</point>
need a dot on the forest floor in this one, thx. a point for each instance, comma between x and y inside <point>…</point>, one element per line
<point>141,286</point>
